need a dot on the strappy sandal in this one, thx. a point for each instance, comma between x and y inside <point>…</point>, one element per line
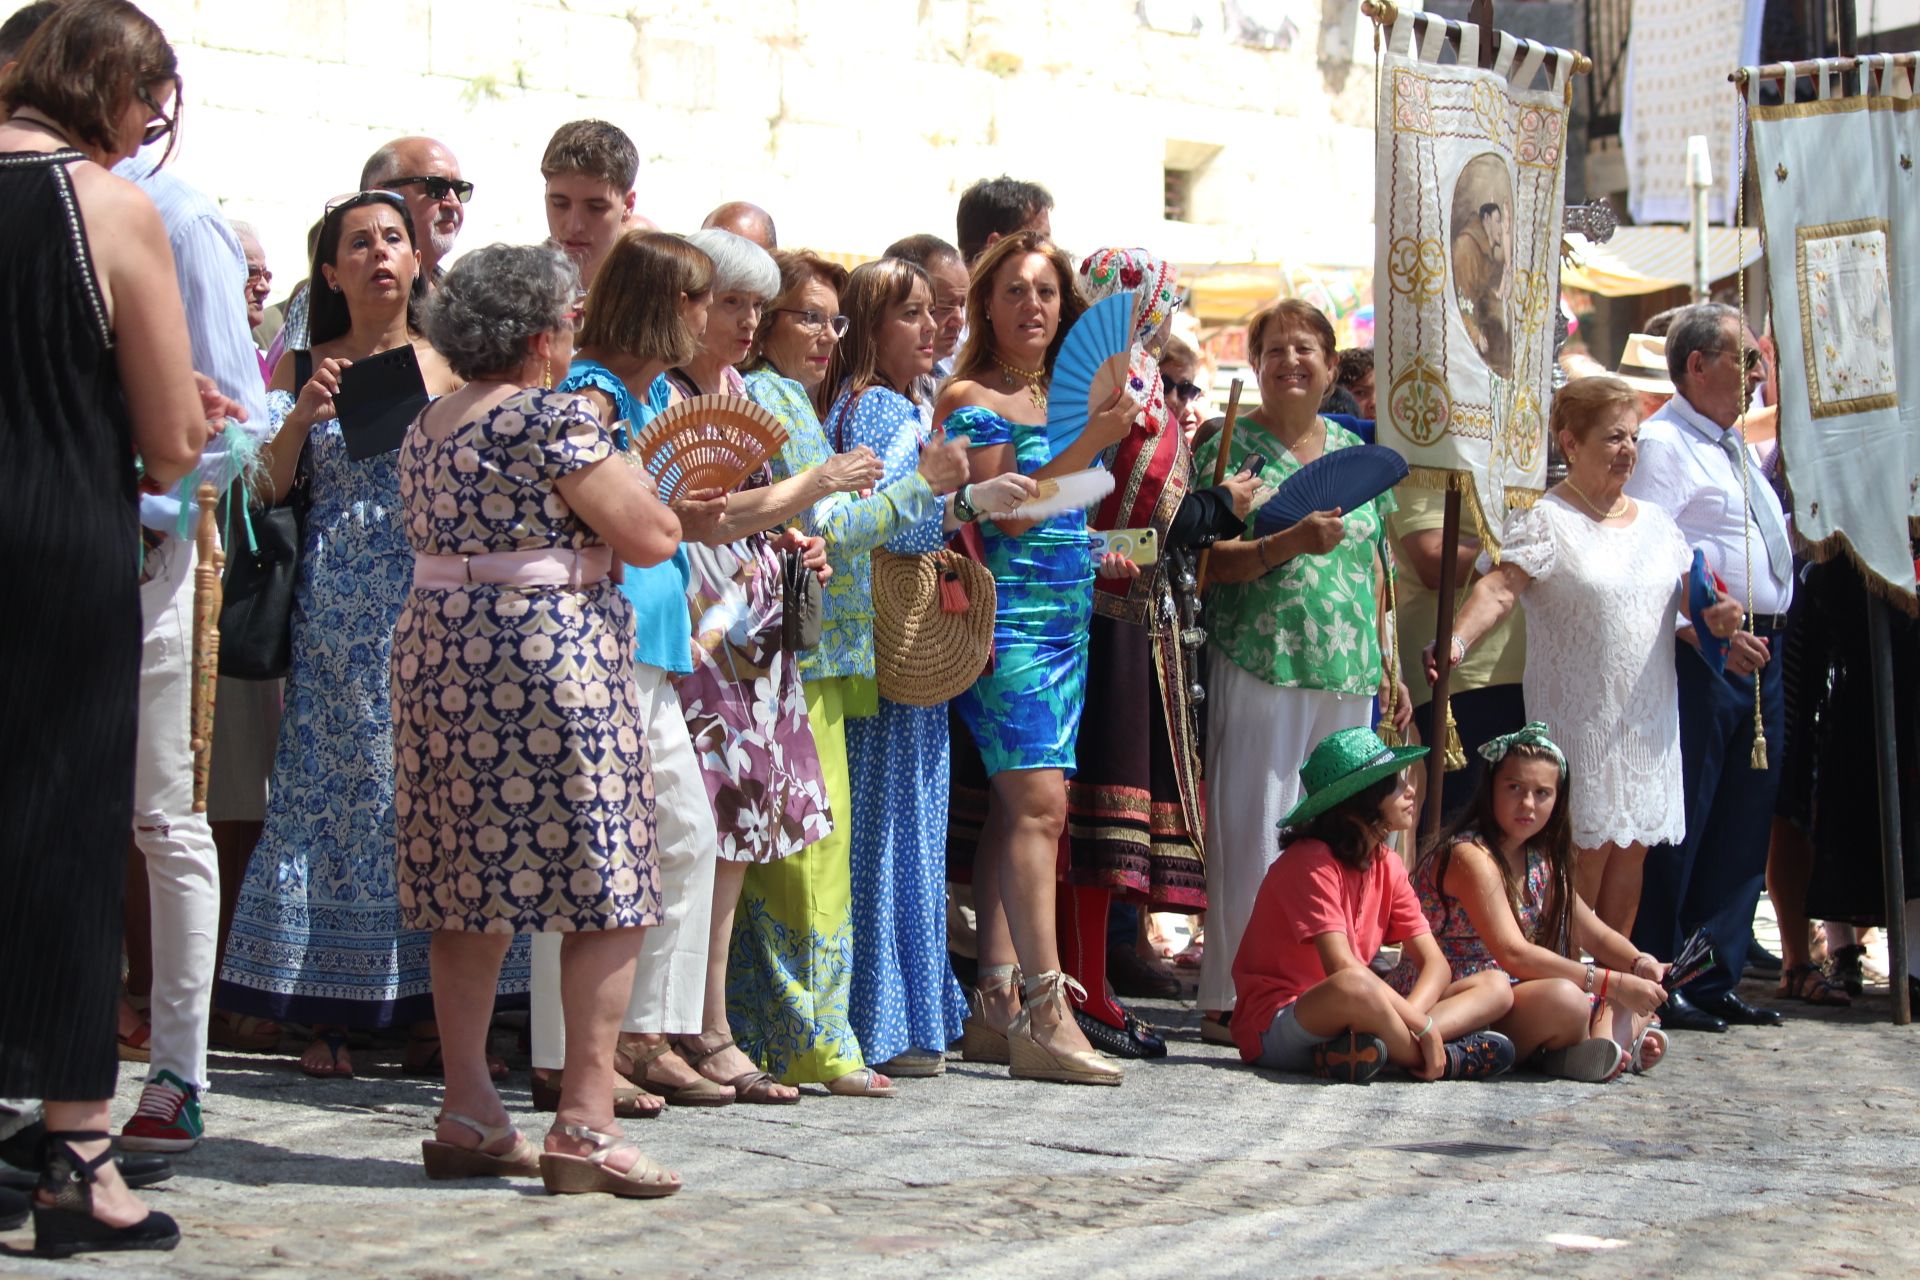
<point>244,1032</point>
<point>579,1175</point>
<point>430,1065</point>
<point>446,1160</point>
<point>1640,1066</point>
<point>701,1093</point>
<point>979,1042</point>
<point>1849,968</point>
<point>630,1102</point>
<point>1807,982</point>
<point>66,1225</point>
<point>334,1039</point>
<point>754,1087</point>
<point>862,1082</point>
<point>136,1045</point>
<point>1034,1060</point>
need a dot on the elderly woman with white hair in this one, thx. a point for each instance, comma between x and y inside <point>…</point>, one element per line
<point>744,704</point>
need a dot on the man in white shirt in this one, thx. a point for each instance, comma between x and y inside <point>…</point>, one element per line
<point>1693,464</point>
<point>182,869</point>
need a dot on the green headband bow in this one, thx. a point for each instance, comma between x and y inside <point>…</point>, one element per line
<point>1532,735</point>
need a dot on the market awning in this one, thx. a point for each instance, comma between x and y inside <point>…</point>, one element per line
<point>1231,293</point>
<point>1648,259</point>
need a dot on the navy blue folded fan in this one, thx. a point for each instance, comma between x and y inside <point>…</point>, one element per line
<point>1346,479</point>
<point>1701,594</point>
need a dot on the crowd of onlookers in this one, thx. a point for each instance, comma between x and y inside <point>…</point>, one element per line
<point>519,721</point>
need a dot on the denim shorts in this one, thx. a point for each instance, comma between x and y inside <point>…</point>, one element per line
<point>1286,1045</point>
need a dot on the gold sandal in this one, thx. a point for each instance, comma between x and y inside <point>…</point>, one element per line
<point>979,1042</point>
<point>449,1160</point>
<point>701,1093</point>
<point>581,1175</point>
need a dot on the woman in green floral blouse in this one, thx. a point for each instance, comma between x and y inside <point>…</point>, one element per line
<point>1293,623</point>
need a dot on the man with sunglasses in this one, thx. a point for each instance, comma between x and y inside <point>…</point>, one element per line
<point>427,175</point>
<point>1694,463</point>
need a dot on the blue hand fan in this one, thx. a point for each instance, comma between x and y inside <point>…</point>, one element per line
<point>1702,592</point>
<point>1345,478</point>
<point>1092,362</point>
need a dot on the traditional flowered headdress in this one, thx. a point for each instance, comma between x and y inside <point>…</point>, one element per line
<point>1532,735</point>
<point>1108,271</point>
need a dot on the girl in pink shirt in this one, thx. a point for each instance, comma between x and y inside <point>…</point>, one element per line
<point>1307,998</point>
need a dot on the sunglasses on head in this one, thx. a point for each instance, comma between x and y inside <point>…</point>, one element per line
<point>155,132</point>
<point>360,199</point>
<point>437,188</point>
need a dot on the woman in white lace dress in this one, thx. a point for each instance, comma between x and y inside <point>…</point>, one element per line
<point>1602,577</point>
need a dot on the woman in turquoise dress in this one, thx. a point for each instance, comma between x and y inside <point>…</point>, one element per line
<point>1025,714</point>
<point>317,936</point>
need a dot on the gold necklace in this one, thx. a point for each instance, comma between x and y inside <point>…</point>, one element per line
<point>1034,378</point>
<point>1604,515</point>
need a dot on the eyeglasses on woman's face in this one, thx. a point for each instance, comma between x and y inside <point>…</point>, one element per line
<point>814,321</point>
<point>437,188</point>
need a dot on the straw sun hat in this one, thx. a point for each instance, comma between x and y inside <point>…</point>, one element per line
<point>1643,365</point>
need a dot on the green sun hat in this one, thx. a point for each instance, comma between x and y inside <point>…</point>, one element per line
<point>1342,766</point>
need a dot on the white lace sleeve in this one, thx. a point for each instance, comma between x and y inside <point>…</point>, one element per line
<point>1526,544</point>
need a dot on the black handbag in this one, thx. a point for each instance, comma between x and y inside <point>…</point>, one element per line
<point>800,603</point>
<point>256,613</point>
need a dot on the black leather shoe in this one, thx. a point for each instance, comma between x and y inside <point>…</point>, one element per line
<point>14,1209</point>
<point>1762,963</point>
<point>1152,1045</point>
<point>1732,1008</point>
<point>1115,1042</point>
<point>25,1150</point>
<point>1132,975</point>
<point>1681,1014</point>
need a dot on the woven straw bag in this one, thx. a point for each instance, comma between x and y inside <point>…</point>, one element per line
<point>932,625</point>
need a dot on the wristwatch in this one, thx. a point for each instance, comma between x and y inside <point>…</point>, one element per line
<point>963,508</point>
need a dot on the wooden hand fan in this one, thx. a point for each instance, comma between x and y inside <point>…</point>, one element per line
<point>1092,362</point>
<point>708,442</point>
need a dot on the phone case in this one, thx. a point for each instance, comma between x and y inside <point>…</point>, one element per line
<point>1142,546</point>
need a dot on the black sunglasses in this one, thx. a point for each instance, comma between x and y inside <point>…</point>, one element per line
<point>437,188</point>
<point>1184,390</point>
<point>155,132</point>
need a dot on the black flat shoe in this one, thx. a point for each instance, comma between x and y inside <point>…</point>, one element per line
<point>1152,1045</point>
<point>1762,963</point>
<point>14,1209</point>
<point>1115,1042</point>
<point>26,1150</point>
<point>1681,1014</point>
<point>1735,1010</point>
<point>67,1225</point>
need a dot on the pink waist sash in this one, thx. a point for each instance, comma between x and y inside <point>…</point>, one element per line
<point>541,567</point>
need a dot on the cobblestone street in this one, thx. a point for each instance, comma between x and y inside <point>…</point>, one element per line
<point>1761,1152</point>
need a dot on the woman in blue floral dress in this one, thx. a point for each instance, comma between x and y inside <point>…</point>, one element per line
<point>317,936</point>
<point>1025,714</point>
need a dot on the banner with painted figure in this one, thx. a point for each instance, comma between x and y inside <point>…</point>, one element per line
<point>1840,206</point>
<point>1471,184</point>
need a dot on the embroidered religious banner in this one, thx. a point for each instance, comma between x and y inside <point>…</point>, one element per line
<point>1840,208</point>
<point>1471,184</point>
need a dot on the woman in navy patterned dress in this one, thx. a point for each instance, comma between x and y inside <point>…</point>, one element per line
<point>1025,715</point>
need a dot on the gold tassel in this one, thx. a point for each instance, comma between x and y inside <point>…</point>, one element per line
<point>1759,760</point>
<point>1456,755</point>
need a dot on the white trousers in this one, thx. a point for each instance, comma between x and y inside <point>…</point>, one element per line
<point>183,871</point>
<point>670,980</point>
<point>1258,736</point>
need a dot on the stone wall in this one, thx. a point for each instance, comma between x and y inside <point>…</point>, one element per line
<point>854,121</point>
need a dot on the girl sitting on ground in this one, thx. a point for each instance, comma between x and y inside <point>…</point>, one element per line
<point>1497,891</point>
<point>1307,999</point>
